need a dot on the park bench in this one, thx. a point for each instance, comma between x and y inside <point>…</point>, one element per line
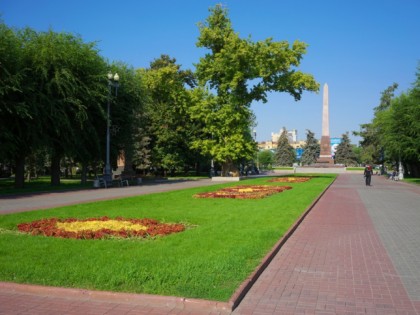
<point>121,180</point>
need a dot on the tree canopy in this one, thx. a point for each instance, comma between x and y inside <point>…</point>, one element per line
<point>240,71</point>
<point>285,154</point>
<point>345,154</point>
<point>311,149</point>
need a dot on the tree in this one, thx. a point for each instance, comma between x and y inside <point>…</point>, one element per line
<point>70,81</point>
<point>345,154</point>
<point>400,126</point>
<point>240,71</point>
<point>311,149</point>
<point>370,132</point>
<point>285,154</point>
<point>53,95</point>
<point>167,114</point>
<point>265,158</point>
<point>127,115</point>
<point>393,134</point>
<point>16,116</point>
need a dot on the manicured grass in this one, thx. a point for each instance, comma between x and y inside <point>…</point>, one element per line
<point>355,168</point>
<point>41,184</point>
<point>225,241</point>
<point>412,180</point>
<point>283,168</point>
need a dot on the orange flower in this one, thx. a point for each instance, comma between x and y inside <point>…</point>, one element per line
<point>244,192</point>
<point>290,179</point>
<point>97,228</point>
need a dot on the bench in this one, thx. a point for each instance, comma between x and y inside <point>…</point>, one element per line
<point>101,182</point>
<point>123,181</point>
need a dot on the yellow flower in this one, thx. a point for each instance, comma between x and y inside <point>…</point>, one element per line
<point>98,225</point>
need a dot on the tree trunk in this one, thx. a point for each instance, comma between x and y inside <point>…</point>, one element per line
<point>83,176</point>
<point>20,172</point>
<point>55,169</point>
<point>228,168</point>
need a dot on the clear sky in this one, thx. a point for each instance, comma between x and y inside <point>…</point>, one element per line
<point>357,47</point>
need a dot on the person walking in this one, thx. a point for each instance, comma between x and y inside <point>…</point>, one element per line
<point>368,175</point>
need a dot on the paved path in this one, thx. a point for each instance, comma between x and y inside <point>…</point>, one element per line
<point>357,252</point>
<point>20,203</point>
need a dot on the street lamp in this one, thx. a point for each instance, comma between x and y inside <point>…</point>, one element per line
<point>112,82</point>
<point>255,138</point>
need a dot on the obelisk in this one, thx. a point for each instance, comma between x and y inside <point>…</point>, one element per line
<point>325,155</point>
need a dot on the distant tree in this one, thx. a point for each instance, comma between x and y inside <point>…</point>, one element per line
<point>311,149</point>
<point>400,126</point>
<point>285,153</point>
<point>265,159</point>
<point>372,150</point>
<point>240,71</point>
<point>345,154</point>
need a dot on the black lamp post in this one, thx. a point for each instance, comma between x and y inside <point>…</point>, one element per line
<point>112,82</point>
<point>255,138</point>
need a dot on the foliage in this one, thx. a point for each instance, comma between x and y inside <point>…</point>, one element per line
<point>240,71</point>
<point>393,134</point>
<point>57,96</point>
<point>372,152</point>
<point>311,149</point>
<point>345,154</point>
<point>127,118</point>
<point>285,154</point>
<point>265,159</point>
<point>169,125</point>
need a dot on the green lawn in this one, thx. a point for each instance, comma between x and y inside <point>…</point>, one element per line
<point>41,184</point>
<point>225,241</point>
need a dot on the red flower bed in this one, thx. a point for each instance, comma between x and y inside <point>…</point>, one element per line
<point>53,227</point>
<point>244,192</point>
<point>290,179</point>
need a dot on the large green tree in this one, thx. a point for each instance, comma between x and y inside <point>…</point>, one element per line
<point>167,113</point>
<point>55,91</point>
<point>285,154</point>
<point>372,150</point>
<point>345,154</point>
<point>69,86</point>
<point>239,71</point>
<point>311,149</point>
<point>400,126</point>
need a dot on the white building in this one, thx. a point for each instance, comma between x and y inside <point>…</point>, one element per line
<point>291,135</point>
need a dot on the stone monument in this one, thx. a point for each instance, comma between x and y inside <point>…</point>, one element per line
<point>325,155</point>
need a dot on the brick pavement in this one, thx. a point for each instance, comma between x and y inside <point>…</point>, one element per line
<point>355,253</point>
<point>344,257</point>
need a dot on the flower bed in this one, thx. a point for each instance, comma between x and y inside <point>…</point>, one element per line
<point>244,192</point>
<point>98,228</point>
<point>289,179</point>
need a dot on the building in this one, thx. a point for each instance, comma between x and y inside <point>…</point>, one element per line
<point>291,135</point>
<point>272,145</point>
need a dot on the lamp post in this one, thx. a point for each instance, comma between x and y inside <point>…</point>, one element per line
<point>112,82</point>
<point>255,138</point>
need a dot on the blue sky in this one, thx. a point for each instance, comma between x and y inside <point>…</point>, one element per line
<point>358,47</point>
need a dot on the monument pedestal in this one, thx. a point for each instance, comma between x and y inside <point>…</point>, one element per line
<point>325,154</point>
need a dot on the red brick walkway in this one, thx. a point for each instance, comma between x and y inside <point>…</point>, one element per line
<point>334,263</point>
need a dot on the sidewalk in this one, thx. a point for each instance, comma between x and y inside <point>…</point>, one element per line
<point>17,203</point>
<point>357,252</point>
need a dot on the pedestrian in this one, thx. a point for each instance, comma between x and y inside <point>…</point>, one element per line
<point>368,175</point>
